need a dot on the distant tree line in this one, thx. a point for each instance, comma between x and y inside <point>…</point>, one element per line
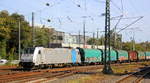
<point>9,31</point>
<point>117,43</point>
<point>144,46</point>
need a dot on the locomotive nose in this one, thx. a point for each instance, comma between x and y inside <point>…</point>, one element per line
<point>27,58</point>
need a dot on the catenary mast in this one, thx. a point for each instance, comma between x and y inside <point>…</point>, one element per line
<point>107,68</point>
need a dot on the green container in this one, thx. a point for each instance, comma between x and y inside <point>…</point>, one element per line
<point>147,55</point>
<point>90,55</point>
<point>122,55</point>
<point>141,55</point>
<point>113,55</point>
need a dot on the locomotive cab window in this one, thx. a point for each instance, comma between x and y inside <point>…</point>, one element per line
<point>39,52</point>
<point>29,50</point>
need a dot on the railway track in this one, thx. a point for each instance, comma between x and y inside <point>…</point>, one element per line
<point>68,73</point>
<point>136,77</point>
<point>44,75</point>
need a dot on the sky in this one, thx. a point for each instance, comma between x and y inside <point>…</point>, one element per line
<point>69,15</point>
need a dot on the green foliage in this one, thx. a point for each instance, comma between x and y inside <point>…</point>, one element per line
<point>94,41</point>
<point>9,32</point>
<point>127,46</point>
<point>115,40</point>
<point>91,41</point>
<point>11,54</point>
<point>41,38</point>
<point>3,49</point>
<point>144,46</point>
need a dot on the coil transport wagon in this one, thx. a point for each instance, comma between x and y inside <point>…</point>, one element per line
<point>91,56</point>
<point>147,55</point>
<point>122,56</point>
<point>141,56</point>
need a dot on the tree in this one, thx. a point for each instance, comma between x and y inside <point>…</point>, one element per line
<point>144,46</point>
<point>43,36</point>
<point>4,32</point>
<point>91,41</point>
<point>9,31</point>
<point>115,40</point>
<point>127,46</point>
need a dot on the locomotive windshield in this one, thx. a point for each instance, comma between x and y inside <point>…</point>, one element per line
<point>29,50</point>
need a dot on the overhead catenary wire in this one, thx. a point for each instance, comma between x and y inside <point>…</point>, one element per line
<point>118,17</point>
<point>116,5</point>
<point>100,1</point>
<point>133,7</point>
<point>43,9</point>
<point>130,24</point>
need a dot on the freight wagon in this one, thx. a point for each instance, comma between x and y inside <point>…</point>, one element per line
<point>147,55</point>
<point>122,56</point>
<point>113,56</point>
<point>141,56</point>
<point>133,56</point>
<point>91,56</point>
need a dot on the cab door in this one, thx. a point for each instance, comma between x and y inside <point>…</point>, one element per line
<point>42,54</point>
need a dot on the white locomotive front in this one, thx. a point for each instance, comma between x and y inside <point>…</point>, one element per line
<point>31,57</point>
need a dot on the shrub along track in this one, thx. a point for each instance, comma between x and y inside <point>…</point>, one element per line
<point>45,74</point>
<point>135,77</point>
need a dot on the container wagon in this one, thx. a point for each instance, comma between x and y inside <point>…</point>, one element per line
<point>147,55</point>
<point>90,56</point>
<point>113,56</point>
<point>141,56</point>
<point>122,56</point>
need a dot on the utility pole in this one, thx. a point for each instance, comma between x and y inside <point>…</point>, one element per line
<point>115,42</point>
<point>84,33</point>
<point>33,31</point>
<point>93,40</point>
<point>84,17</point>
<point>115,34</point>
<point>120,41</point>
<point>79,38</point>
<point>107,68</point>
<point>97,39</point>
<point>19,39</point>
<point>133,42</point>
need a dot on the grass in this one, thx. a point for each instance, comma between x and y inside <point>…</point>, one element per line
<point>118,70</point>
<point>127,68</point>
